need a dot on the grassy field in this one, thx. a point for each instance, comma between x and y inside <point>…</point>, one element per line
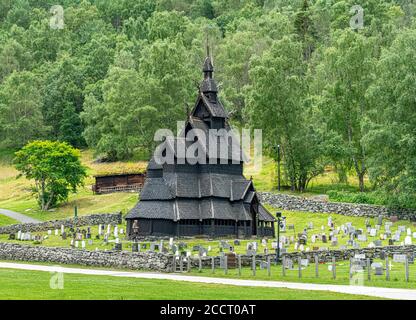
<point>16,192</point>
<point>4,221</point>
<point>16,195</point>
<point>19,284</point>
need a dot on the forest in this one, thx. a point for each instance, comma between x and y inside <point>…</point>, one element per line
<point>331,82</point>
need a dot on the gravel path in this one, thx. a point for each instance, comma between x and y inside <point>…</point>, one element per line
<point>391,293</point>
<point>18,216</point>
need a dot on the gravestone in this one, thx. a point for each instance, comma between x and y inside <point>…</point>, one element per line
<point>135,247</point>
<point>288,264</point>
<point>378,243</point>
<point>408,241</point>
<point>236,242</point>
<point>362,237</point>
<point>399,258</point>
<point>304,262</point>
<point>394,219</point>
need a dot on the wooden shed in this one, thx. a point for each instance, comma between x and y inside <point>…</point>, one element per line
<point>118,182</point>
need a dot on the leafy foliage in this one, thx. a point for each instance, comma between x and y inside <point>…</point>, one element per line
<point>119,70</point>
<point>54,166</point>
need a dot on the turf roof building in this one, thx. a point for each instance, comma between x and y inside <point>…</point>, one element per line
<point>190,197</point>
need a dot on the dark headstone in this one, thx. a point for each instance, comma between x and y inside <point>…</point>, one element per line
<point>12,236</point>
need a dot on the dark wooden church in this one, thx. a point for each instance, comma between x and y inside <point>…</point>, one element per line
<point>212,198</point>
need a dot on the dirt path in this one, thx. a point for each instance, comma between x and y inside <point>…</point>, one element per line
<point>18,216</point>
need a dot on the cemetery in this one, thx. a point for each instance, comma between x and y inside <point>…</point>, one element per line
<point>313,247</point>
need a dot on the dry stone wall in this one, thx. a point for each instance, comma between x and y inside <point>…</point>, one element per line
<point>297,203</point>
<point>150,261</point>
<point>90,220</point>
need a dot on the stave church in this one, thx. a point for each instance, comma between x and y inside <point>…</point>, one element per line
<point>185,197</point>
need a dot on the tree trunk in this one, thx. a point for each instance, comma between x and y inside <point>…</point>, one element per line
<point>361,181</point>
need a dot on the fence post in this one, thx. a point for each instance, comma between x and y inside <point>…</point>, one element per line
<point>316,266</point>
<point>334,268</point>
<point>200,264</point>
<point>181,263</point>
<point>368,269</point>
<point>300,266</point>
<point>283,265</point>
<point>406,266</point>
<point>239,264</point>
<point>174,264</point>
<point>188,260</point>
<point>350,267</point>
<point>387,268</point>
<point>225,264</point>
<point>213,264</point>
<point>268,266</point>
<point>253,264</point>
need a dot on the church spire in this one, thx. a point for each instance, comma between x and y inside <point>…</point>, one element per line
<point>208,85</point>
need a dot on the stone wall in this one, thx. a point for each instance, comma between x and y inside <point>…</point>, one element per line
<point>297,203</point>
<point>376,253</point>
<point>90,220</point>
<point>150,261</point>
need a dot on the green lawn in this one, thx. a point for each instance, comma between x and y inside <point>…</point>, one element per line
<point>397,275</point>
<point>4,220</point>
<point>20,284</point>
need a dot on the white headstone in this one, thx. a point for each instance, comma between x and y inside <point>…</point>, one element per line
<point>362,237</point>
<point>360,256</point>
<point>373,232</point>
<point>49,232</point>
<point>56,232</point>
<point>62,228</point>
<point>83,244</point>
<point>99,229</point>
<point>76,244</point>
<point>400,258</point>
<point>409,232</point>
<point>408,241</point>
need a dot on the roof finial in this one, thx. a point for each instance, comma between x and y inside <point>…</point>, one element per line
<point>207,45</point>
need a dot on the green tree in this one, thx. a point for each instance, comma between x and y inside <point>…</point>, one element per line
<point>277,104</point>
<point>342,78</point>
<point>391,125</point>
<point>54,166</point>
<point>21,117</point>
<point>63,99</point>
